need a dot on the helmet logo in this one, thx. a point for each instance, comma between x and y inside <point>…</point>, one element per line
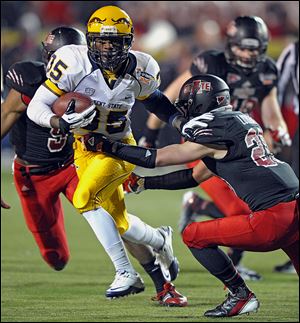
<point>121,21</point>
<point>197,87</point>
<point>220,99</point>
<point>97,20</point>
<point>50,39</point>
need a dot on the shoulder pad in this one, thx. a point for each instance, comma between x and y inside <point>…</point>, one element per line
<point>69,65</point>
<point>25,77</point>
<point>147,72</point>
<point>268,73</point>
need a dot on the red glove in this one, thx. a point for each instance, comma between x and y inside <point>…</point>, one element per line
<point>281,136</point>
<point>134,184</point>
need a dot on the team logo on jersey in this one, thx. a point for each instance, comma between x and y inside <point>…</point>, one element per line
<point>144,77</point>
<point>232,78</point>
<point>267,79</point>
<point>89,91</point>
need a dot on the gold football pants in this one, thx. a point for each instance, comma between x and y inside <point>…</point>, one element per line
<point>100,182</point>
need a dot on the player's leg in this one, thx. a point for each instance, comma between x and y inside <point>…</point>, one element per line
<point>224,203</point>
<point>165,291</point>
<point>100,177</point>
<point>43,213</point>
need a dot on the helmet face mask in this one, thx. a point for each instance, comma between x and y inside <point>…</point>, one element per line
<point>109,51</point>
<point>201,94</point>
<point>59,37</point>
<point>247,42</point>
<point>109,37</point>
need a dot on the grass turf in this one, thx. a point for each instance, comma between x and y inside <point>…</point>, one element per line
<point>32,292</point>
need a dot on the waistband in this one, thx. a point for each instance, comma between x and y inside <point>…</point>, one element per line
<point>31,169</point>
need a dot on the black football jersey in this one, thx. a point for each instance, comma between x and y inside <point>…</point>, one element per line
<point>33,143</point>
<point>249,167</point>
<point>247,91</point>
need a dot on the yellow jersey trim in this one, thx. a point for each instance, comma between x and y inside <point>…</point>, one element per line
<point>53,88</point>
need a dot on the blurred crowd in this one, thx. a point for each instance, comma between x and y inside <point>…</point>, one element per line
<point>173,32</point>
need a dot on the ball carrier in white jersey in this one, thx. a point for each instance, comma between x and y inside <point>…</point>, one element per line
<point>113,76</point>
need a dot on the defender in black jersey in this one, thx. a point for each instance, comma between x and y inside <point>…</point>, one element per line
<point>43,168</point>
<point>43,162</point>
<point>252,79</point>
<point>232,147</point>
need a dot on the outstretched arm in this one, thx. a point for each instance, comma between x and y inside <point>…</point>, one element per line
<point>182,179</point>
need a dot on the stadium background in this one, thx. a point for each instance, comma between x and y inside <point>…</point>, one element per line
<point>173,32</point>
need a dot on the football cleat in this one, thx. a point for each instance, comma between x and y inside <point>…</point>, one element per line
<point>286,268</point>
<point>190,202</point>
<point>170,297</point>
<point>243,302</point>
<point>248,274</point>
<point>165,257</point>
<point>125,283</point>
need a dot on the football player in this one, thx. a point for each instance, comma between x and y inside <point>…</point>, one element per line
<point>43,168</point>
<point>231,146</point>
<point>252,79</point>
<point>113,76</point>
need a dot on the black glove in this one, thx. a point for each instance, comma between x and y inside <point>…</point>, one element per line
<point>99,143</point>
<point>73,120</point>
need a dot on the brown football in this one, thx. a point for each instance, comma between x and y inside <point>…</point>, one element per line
<point>82,102</point>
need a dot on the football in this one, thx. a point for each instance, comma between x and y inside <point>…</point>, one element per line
<point>82,102</point>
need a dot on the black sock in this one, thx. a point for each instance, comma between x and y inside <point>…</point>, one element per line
<point>235,255</point>
<point>219,265</point>
<point>155,274</point>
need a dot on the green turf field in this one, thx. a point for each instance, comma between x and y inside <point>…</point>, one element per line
<point>32,292</point>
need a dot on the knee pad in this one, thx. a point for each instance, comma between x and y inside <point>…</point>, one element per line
<point>55,260</point>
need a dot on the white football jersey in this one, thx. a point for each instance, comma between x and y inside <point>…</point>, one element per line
<point>70,70</point>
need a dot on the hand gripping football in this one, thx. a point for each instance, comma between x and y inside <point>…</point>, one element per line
<point>82,102</point>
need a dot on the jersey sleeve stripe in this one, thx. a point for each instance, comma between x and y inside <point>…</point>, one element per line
<point>53,88</point>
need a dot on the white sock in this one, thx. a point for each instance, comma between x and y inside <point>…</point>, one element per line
<point>108,235</point>
<point>142,233</point>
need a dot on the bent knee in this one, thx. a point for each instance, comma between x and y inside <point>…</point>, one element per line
<point>191,236</point>
<point>81,197</point>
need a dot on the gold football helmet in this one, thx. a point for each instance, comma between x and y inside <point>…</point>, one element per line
<point>109,37</point>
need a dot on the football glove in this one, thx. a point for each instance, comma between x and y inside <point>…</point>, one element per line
<point>149,138</point>
<point>197,123</point>
<point>73,120</point>
<point>134,184</point>
<point>281,136</point>
<point>97,142</point>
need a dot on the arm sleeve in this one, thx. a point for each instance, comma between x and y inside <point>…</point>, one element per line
<point>173,181</point>
<point>160,105</point>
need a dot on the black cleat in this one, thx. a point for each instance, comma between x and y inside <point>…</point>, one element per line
<point>235,304</point>
<point>286,268</point>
